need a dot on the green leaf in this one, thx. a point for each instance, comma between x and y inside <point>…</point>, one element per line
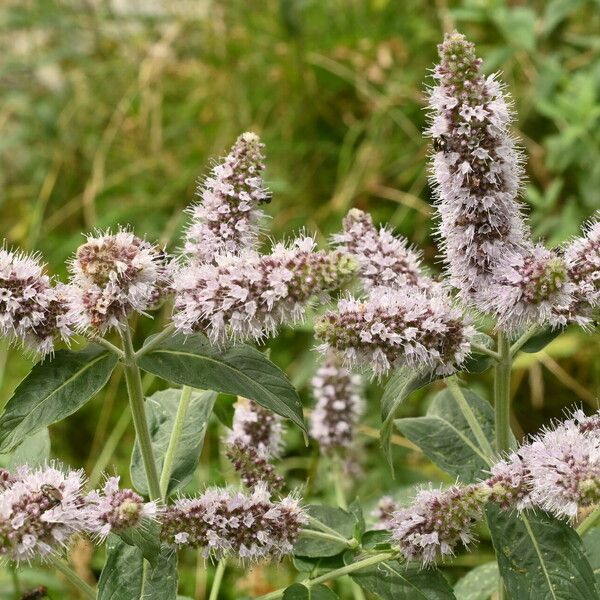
<point>34,451</point>
<point>591,546</point>
<point>121,578</point>
<point>445,437</point>
<point>540,557</point>
<point>161,409</point>
<point>540,340</point>
<point>53,390</point>
<point>297,591</point>
<point>376,539</point>
<point>224,409</point>
<point>311,567</point>
<point>478,584</point>
<point>394,581</point>
<point>337,519</point>
<point>239,370</point>
<point>401,384</point>
<point>146,538</point>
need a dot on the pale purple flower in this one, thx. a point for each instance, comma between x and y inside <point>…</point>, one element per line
<point>222,523</point>
<point>529,287</point>
<point>32,310</point>
<point>227,218</point>
<point>476,170</point>
<point>384,259</point>
<point>436,523</point>
<point>116,509</point>
<point>394,328</point>
<point>509,483</point>
<point>253,466</point>
<point>251,296</point>
<point>564,469</point>
<point>339,405</point>
<point>114,275</point>
<point>383,512</point>
<point>40,510</point>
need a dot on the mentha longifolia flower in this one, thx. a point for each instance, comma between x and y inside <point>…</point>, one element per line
<point>250,296</point>
<point>39,512</point>
<point>564,469</point>
<point>227,219</point>
<point>476,169</point>
<point>112,276</point>
<point>393,328</point>
<point>32,310</point>
<point>384,259</point>
<point>436,523</point>
<point>383,512</point>
<point>257,427</point>
<point>339,405</point>
<point>253,466</point>
<point>115,509</point>
<point>509,483</point>
<point>224,523</point>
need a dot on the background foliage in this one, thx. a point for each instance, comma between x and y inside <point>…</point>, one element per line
<point>111,110</point>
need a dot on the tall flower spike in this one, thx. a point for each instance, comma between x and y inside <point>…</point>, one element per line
<point>339,405</point>
<point>530,287</point>
<point>509,483</point>
<point>476,169</point>
<point>394,328</point>
<point>226,220</point>
<point>250,296</point>
<point>114,275</point>
<point>39,512</point>
<point>31,310</point>
<point>253,466</point>
<point>436,523</point>
<point>232,524</point>
<point>564,469</point>
<point>384,259</point>
<point>115,509</point>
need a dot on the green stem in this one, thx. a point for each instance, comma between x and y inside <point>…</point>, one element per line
<point>138,411</point>
<point>357,566</point>
<point>156,340</point>
<point>322,527</point>
<point>321,535</point>
<point>336,476</point>
<point>214,590</point>
<point>14,574</point>
<point>592,520</point>
<point>484,350</point>
<point>110,347</point>
<point>72,577</point>
<point>184,403</point>
<point>524,339</point>
<point>471,419</point>
<point>502,395</point>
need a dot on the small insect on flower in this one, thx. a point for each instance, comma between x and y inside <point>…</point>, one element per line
<point>52,494</point>
<point>36,594</point>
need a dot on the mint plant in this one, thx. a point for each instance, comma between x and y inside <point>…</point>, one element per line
<point>502,294</point>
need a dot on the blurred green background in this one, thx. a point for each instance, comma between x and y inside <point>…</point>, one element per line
<point>110,110</point>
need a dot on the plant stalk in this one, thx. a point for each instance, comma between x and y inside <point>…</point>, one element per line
<point>182,408</point>
<point>337,573</point>
<point>216,586</point>
<point>138,411</point>
<point>502,395</point>
<point>155,341</point>
<point>592,520</point>
<point>321,535</point>
<point>72,577</point>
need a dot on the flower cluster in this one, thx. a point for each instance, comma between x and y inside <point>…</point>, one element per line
<point>32,310</point>
<point>436,523</point>
<point>255,438</point>
<point>222,523</point>
<point>395,327</point>
<point>384,259</point>
<point>339,405</point>
<point>382,513</point>
<point>116,509</point>
<point>476,169</point>
<point>250,296</point>
<point>226,220</point>
<point>114,275</point>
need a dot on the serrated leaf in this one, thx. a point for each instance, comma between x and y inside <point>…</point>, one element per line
<point>478,584</point>
<point>238,370</point>
<point>121,578</point>
<point>146,538</point>
<point>402,383</point>
<point>337,519</point>
<point>297,591</point>
<point>394,581</point>
<point>161,409</point>
<point>53,390</point>
<point>540,556</point>
<point>445,437</point>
